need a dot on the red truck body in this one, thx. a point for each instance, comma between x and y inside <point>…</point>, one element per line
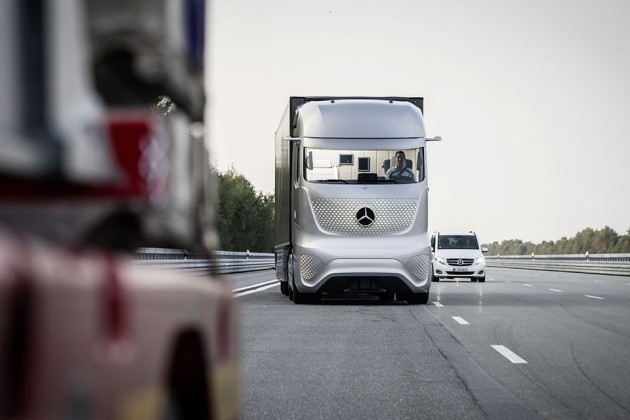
<point>92,166</point>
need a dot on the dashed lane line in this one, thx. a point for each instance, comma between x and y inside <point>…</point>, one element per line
<point>438,304</point>
<point>508,354</point>
<point>248,290</point>
<point>528,285</point>
<point>461,320</point>
<point>594,297</point>
<point>555,290</point>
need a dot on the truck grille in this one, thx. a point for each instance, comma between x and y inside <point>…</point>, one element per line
<point>419,266</point>
<point>339,215</point>
<point>455,261</point>
<point>310,266</point>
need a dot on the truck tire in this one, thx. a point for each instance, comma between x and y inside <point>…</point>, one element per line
<point>284,285</point>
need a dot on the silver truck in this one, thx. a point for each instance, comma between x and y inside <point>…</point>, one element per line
<point>351,209</point>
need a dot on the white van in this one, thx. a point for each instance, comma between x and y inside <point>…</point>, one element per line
<point>457,254</point>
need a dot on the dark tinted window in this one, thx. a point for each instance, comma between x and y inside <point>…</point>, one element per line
<point>458,242</point>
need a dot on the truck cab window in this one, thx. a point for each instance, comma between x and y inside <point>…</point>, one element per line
<point>386,166</point>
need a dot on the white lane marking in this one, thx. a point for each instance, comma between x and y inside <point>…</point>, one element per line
<point>555,290</point>
<point>255,286</point>
<point>438,304</point>
<point>528,285</point>
<point>461,320</point>
<point>509,354</point>
<point>593,297</point>
<point>249,292</point>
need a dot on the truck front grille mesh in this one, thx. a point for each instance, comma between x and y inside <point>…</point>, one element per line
<point>419,266</point>
<point>310,266</point>
<point>338,215</point>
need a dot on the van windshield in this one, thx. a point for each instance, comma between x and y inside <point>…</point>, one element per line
<point>364,166</point>
<point>458,242</point>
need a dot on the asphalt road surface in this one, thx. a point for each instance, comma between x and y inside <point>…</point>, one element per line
<point>524,344</point>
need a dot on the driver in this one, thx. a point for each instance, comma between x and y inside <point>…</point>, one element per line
<point>399,170</point>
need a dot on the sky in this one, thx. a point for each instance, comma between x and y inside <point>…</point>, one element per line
<point>531,98</point>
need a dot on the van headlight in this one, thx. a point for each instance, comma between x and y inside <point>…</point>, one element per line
<point>440,260</point>
<point>480,260</point>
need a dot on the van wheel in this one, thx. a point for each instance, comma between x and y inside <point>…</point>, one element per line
<point>482,279</point>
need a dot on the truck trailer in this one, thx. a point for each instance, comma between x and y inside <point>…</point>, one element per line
<point>351,199</point>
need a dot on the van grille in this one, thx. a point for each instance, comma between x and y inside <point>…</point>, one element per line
<point>338,215</point>
<point>455,261</point>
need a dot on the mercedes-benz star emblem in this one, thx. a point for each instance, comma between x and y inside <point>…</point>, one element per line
<point>365,216</point>
<point>460,262</point>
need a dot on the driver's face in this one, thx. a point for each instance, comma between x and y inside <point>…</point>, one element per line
<point>400,160</point>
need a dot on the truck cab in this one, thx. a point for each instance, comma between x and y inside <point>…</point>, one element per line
<point>344,225</point>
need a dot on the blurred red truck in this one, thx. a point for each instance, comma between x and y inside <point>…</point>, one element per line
<point>101,152</point>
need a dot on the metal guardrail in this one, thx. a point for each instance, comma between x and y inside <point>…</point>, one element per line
<point>612,264</point>
<point>233,262</point>
<point>221,262</point>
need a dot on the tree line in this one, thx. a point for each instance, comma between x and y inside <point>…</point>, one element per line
<point>244,218</point>
<point>245,221</point>
<point>603,241</point>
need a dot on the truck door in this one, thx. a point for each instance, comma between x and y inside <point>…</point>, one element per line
<point>295,188</point>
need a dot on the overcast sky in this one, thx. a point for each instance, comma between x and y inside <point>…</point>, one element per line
<point>532,99</point>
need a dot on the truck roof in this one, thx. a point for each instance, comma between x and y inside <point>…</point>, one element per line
<point>360,118</point>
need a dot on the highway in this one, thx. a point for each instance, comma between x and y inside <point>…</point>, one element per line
<point>525,344</point>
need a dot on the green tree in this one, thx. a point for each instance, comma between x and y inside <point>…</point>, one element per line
<point>244,217</point>
<point>604,241</point>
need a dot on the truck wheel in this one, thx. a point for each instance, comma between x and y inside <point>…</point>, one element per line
<point>284,285</point>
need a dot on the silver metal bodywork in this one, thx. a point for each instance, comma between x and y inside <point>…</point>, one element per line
<point>351,236</point>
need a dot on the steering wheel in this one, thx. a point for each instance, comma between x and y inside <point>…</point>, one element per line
<point>404,173</point>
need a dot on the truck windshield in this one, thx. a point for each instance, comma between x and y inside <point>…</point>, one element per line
<point>364,166</point>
